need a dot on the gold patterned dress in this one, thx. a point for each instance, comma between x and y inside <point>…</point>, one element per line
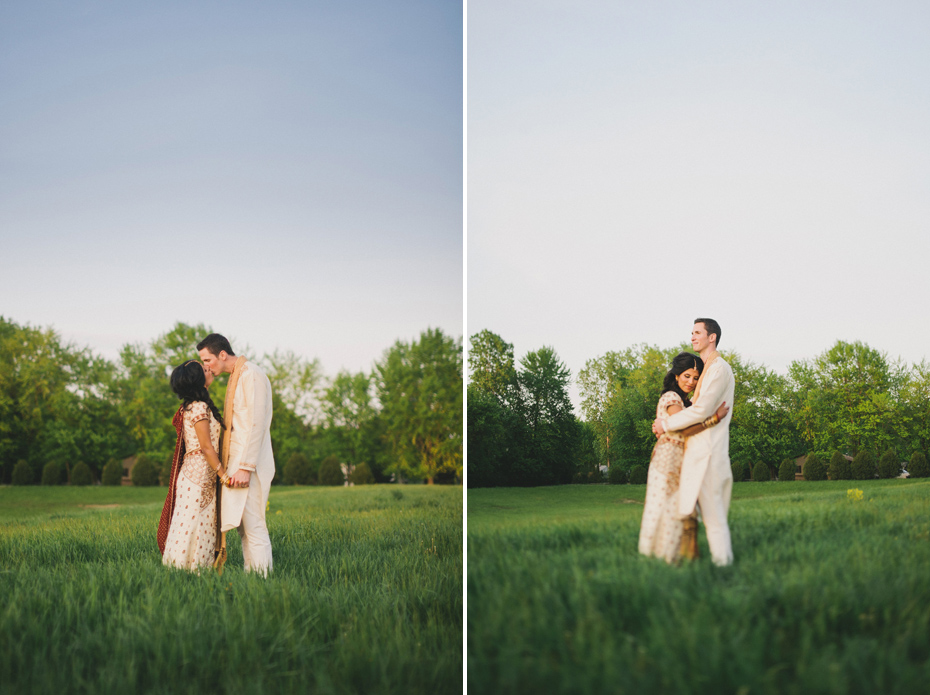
<point>192,533</point>
<point>662,527</point>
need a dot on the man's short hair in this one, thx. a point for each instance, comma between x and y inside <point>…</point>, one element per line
<point>216,343</point>
<point>710,326</point>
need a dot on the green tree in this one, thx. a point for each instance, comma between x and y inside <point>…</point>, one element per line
<point>617,476</point>
<point>813,469</point>
<point>847,399</point>
<point>786,470</point>
<point>144,472</point>
<point>419,385</point>
<point>491,367</point>
<point>23,474</point>
<point>298,471</point>
<point>498,439</point>
<point>638,475</point>
<point>112,473</point>
<point>348,410</point>
<point>738,469</point>
<point>888,465</point>
<point>81,475</point>
<point>839,467</point>
<point>331,472</point>
<point>863,466</point>
<point>53,473</point>
<point>361,475</point>
<point>918,466</point>
<point>761,472</point>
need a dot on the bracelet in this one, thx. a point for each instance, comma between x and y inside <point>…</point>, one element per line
<point>711,421</point>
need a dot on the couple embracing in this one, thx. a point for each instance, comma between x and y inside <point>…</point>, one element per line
<point>218,487</point>
<point>690,466</point>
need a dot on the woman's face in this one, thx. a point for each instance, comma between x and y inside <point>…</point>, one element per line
<point>207,375</point>
<point>687,380</point>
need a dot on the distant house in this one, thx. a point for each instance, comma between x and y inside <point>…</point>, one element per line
<point>128,463</point>
<point>801,460</point>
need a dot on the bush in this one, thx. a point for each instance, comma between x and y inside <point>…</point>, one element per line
<point>81,475</point>
<point>617,476</point>
<point>22,474</point>
<point>638,475</point>
<point>918,467</point>
<point>787,470</point>
<point>331,472</point>
<point>298,471</point>
<point>739,471</point>
<point>362,475</point>
<point>112,473</point>
<point>814,469</point>
<point>53,473</point>
<point>761,472</point>
<point>863,466</point>
<point>889,466</point>
<point>839,467</point>
<point>145,472</point>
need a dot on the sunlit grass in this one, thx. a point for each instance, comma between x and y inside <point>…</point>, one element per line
<point>827,594</point>
<point>366,596</point>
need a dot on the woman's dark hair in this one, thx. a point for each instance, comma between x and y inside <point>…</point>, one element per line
<point>190,385</point>
<point>683,362</point>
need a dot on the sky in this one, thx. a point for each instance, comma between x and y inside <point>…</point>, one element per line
<point>288,173</point>
<point>634,166</point>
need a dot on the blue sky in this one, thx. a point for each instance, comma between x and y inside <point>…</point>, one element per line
<point>632,166</point>
<point>289,173</point>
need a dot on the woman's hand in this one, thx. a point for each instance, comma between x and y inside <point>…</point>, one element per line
<point>722,411</point>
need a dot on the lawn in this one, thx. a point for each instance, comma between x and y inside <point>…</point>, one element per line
<point>827,594</point>
<point>365,597</point>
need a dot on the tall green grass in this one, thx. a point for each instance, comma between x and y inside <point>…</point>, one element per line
<point>827,594</point>
<point>365,597</point>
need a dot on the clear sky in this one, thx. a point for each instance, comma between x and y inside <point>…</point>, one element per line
<point>288,172</point>
<point>632,166</point>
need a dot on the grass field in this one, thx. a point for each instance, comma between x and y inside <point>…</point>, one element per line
<point>366,596</point>
<point>826,595</point>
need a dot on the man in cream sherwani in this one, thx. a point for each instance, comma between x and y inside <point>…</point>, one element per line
<point>246,450</point>
<point>706,477</point>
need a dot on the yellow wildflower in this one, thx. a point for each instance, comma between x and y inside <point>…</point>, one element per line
<point>855,495</point>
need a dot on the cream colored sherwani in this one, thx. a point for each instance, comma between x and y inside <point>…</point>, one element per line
<point>250,449</point>
<point>706,477</point>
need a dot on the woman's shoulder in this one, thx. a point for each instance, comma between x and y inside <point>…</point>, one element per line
<point>197,410</point>
<point>670,398</point>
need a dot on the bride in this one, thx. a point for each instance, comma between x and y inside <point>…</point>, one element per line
<point>187,530</point>
<point>664,533</point>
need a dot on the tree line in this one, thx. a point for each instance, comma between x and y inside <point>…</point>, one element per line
<point>848,400</point>
<point>64,409</point>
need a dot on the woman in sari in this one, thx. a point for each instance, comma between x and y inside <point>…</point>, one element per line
<point>663,532</point>
<point>187,531</point>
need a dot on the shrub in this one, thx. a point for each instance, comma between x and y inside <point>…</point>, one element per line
<point>638,475</point>
<point>786,470</point>
<point>362,475</point>
<point>739,471</point>
<point>81,475</point>
<point>298,471</point>
<point>814,469</point>
<point>53,473</point>
<point>22,474</point>
<point>331,472</point>
<point>839,467</point>
<point>112,473</point>
<point>918,467</point>
<point>617,476</point>
<point>889,466</point>
<point>863,466</point>
<point>761,472</point>
<point>145,472</point>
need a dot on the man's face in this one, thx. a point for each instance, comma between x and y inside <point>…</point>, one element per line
<point>699,339</point>
<point>207,376</point>
<point>211,361</point>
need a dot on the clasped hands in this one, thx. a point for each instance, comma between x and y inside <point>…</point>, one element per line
<point>239,479</point>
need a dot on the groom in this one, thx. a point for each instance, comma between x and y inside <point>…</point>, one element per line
<point>706,477</point>
<point>245,451</point>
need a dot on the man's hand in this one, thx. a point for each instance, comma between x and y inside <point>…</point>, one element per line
<point>240,479</point>
<point>658,428</point>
